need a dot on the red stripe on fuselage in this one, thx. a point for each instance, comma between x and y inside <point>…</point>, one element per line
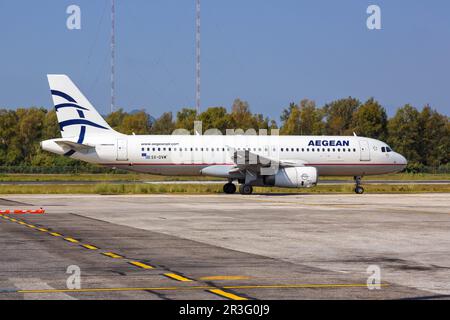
<point>232,164</point>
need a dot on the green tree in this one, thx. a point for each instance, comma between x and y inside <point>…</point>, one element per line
<point>305,119</point>
<point>339,116</point>
<point>30,129</point>
<point>241,117</point>
<point>163,125</point>
<point>434,145</point>
<point>261,122</point>
<point>291,120</point>
<point>404,133</point>
<point>215,118</point>
<point>115,119</point>
<point>51,126</point>
<point>370,120</point>
<point>185,119</point>
<point>311,118</point>
<point>10,152</point>
<point>135,123</point>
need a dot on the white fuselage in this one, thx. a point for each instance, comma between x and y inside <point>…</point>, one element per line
<point>252,160</point>
<point>189,155</point>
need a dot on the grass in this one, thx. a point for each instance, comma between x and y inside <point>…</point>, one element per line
<point>118,189</point>
<point>147,177</point>
<point>96,177</point>
<point>399,176</point>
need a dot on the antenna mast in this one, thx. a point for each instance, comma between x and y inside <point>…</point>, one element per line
<point>197,58</point>
<point>113,56</point>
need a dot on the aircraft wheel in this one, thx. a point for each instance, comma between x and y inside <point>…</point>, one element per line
<point>245,189</point>
<point>359,190</point>
<point>229,188</point>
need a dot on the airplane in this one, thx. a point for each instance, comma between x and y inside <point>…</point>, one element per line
<point>251,160</point>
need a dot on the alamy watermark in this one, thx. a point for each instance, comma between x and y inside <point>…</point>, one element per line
<point>74,280</point>
<point>374,279</point>
<point>74,19</point>
<point>374,19</point>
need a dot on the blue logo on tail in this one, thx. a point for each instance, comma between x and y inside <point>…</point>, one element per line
<point>72,103</point>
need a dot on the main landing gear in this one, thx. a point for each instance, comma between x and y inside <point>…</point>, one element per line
<point>229,188</point>
<point>358,188</point>
<point>245,189</point>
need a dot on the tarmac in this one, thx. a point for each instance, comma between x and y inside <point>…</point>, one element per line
<point>226,247</point>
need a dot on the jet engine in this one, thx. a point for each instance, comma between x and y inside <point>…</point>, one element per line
<point>293,177</point>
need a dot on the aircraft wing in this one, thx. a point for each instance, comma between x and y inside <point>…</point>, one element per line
<point>249,161</point>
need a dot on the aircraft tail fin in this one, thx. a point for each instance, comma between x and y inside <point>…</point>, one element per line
<point>76,115</point>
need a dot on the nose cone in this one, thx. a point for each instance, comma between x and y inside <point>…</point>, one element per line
<point>402,160</point>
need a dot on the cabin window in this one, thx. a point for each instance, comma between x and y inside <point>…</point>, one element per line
<point>143,149</point>
<point>303,149</point>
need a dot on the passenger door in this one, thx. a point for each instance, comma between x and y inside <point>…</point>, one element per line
<point>364,149</point>
<point>122,150</point>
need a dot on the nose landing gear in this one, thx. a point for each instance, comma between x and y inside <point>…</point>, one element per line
<point>358,188</point>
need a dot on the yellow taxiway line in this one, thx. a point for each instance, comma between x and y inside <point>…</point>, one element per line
<point>140,265</point>
<point>112,255</point>
<point>177,277</point>
<point>227,295</point>
<point>90,247</point>
<point>237,287</point>
<point>223,278</point>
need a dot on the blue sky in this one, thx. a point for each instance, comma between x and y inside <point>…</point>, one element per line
<point>266,52</point>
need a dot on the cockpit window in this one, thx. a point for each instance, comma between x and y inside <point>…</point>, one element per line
<point>386,149</point>
<point>383,149</point>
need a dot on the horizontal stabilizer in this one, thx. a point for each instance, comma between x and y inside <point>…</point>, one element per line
<point>74,145</point>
